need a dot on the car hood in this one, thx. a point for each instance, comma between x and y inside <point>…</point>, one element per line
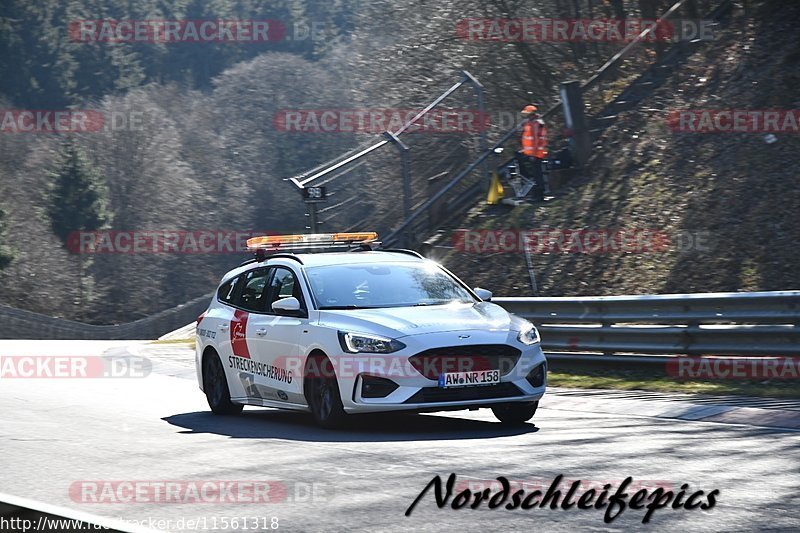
<point>401,321</point>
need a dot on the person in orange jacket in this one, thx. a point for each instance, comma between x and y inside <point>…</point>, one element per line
<point>533,150</point>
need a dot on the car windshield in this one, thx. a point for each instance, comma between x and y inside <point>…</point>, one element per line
<point>371,286</point>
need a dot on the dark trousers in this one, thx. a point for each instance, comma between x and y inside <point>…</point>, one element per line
<point>531,168</point>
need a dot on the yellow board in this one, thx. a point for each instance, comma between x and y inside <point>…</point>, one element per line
<point>495,190</point>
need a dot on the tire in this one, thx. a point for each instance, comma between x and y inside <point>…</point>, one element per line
<point>322,393</point>
<point>215,386</point>
<point>515,413</point>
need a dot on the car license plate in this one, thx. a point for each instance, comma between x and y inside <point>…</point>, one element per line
<point>467,379</point>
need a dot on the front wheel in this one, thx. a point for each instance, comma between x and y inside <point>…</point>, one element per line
<point>515,413</point>
<point>322,393</point>
<point>216,387</point>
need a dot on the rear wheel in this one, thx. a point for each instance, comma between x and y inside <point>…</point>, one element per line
<point>515,413</point>
<point>216,387</point>
<point>322,393</point>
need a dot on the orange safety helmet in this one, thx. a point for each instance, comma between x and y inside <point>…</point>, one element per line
<point>529,110</point>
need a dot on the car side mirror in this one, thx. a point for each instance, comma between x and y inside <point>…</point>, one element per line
<point>286,306</point>
<point>483,294</point>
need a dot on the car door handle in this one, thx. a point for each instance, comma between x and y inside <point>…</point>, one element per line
<point>223,327</point>
<point>261,331</point>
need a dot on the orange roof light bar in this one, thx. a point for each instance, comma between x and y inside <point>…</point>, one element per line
<point>362,236</point>
<point>273,242</point>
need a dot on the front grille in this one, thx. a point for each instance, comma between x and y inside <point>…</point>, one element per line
<point>432,363</point>
<point>462,394</point>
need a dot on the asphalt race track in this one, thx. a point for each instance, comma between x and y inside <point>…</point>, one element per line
<point>57,434</point>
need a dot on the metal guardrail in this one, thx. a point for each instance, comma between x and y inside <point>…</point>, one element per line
<point>22,324</point>
<point>349,161</point>
<point>737,324</point>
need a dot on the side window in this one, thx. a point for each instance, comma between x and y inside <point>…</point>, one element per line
<point>227,291</point>
<point>253,297</point>
<point>283,285</point>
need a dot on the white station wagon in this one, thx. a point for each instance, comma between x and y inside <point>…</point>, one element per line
<point>329,323</point>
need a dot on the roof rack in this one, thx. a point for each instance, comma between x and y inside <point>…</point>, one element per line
<point>402,251</point>
<point>261,255</point>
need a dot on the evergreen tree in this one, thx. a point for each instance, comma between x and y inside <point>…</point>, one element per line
<point>78,200</point>
<point>77,203</point>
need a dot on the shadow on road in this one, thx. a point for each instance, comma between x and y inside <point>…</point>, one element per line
<point>274,424</point>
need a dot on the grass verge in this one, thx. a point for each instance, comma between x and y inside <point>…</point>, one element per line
<point>594,378</point>
<point>181,342</point>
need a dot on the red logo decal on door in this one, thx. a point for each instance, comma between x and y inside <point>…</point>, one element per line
<point>238,329</point>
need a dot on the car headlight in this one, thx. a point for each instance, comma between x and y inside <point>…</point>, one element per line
<point>360,343</point>
<point>529,334</point>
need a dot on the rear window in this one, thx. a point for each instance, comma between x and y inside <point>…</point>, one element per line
<point>227,291</point>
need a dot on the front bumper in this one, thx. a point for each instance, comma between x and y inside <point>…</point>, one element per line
<point>416,392</point>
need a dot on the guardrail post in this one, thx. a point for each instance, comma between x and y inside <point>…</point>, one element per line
<point>484,143</point>
<point>461,175</point>
<point>604,323</point>
<point>575,118</point>
<point>403,149</point>
<point>314,223</point>
<point>529,262</point>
